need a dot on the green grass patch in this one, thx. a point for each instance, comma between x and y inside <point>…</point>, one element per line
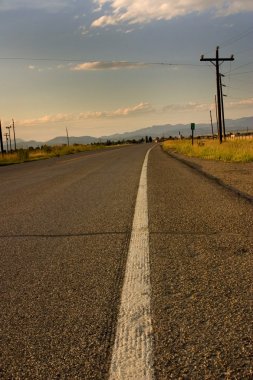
<point>230,150</point>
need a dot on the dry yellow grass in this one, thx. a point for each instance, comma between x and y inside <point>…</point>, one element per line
<point>23,155</point>
<point>231,150</point>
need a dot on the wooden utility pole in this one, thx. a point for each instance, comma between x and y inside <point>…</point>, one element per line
<point>216,62</point>
<point>222,107</point>
<point>67,135</point>
<point>9,128</point>
<point>7,144</point>
<point>217,123</point>
<point>14,134</point>
<point>211,122</point>
<point>1,139</point>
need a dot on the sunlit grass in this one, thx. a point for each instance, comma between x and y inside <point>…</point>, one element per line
<point>231,150</point>
<point>9,158</point>
<point>24,155</point>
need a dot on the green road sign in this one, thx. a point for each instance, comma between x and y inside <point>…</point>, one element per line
<point>192,126</point>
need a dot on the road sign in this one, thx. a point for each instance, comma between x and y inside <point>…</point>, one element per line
<point>192,128</point>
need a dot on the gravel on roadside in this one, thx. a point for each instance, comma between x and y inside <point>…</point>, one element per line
<point>233,174</point>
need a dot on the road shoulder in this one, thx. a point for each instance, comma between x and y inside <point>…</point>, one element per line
<point>238,177</point>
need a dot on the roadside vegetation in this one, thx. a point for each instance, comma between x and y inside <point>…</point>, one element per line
<point>44,152</point>
<point>230,150</point>
<point>48,151</point>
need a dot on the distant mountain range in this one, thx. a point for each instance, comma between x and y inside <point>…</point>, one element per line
<point>243,124</point>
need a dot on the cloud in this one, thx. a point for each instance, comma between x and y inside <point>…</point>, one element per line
<point>141,108</point>
<point>41,69</point>
<point>135,110</point>
<point>84,30</point>
<point>242,103</point>
<point>110,65</point>
<point>194,106</point>
<point>46,119</point>
<point>187,107</point>
<point>48,5</point>
<point>145,11</point>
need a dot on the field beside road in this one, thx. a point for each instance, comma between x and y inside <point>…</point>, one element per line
<point>25,155</point>
<point>230,150</point>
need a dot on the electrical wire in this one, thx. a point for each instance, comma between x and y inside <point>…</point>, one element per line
<point>238,67</point>
<point>94,61</point>
<point>245,72</point>
<point>238,38</point>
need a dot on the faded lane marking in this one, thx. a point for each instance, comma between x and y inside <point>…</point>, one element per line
<point>132,356</point>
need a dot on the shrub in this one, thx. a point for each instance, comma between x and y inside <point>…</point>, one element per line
<point>23,154</point>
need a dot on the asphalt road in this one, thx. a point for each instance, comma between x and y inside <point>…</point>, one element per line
<point>65,225</point>
<point>201,243</point>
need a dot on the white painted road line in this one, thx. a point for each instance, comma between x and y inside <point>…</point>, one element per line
<point>132,356</point>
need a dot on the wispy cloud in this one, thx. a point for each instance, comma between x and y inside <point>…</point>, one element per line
<point>194,106</point>
<point>84,30</point>
<point>42,69</point>
<point>110,65</point>
<point>145,11</point>
<point>240,103</point>
<point>47,119</point>
<point>135,110</point>
<point>187,107</point>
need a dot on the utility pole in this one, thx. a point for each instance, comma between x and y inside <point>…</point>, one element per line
<point>222,106</point>
<point>9,128</point>
<point>7,145</point>
<point>211,122</point>
<point>216,62</point>
<point>1,139</point>
<point>217,123</point>
<point>14,134</point>
<point>67,136</point>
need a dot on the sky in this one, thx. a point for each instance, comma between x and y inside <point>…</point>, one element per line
<point>99,67</point>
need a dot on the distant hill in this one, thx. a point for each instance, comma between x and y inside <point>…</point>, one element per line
<point>165,130</point>
<point>173,130</point>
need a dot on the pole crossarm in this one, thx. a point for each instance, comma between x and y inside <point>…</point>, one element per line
<point>214,59</point>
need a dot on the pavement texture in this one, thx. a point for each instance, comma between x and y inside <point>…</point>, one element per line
<point>64,236</point>
<point>65,226</point>
<point>236,175</point>
<point>201,246</point>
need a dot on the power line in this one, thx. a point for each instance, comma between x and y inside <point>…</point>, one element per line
<point>238,38</point>
<point>94,61</point>
<point>238,67</point>
<point>235,38</point>
<point>245,72</point>
<point>235,88</point>
<point>248,97</point>
<point>242,51</point>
